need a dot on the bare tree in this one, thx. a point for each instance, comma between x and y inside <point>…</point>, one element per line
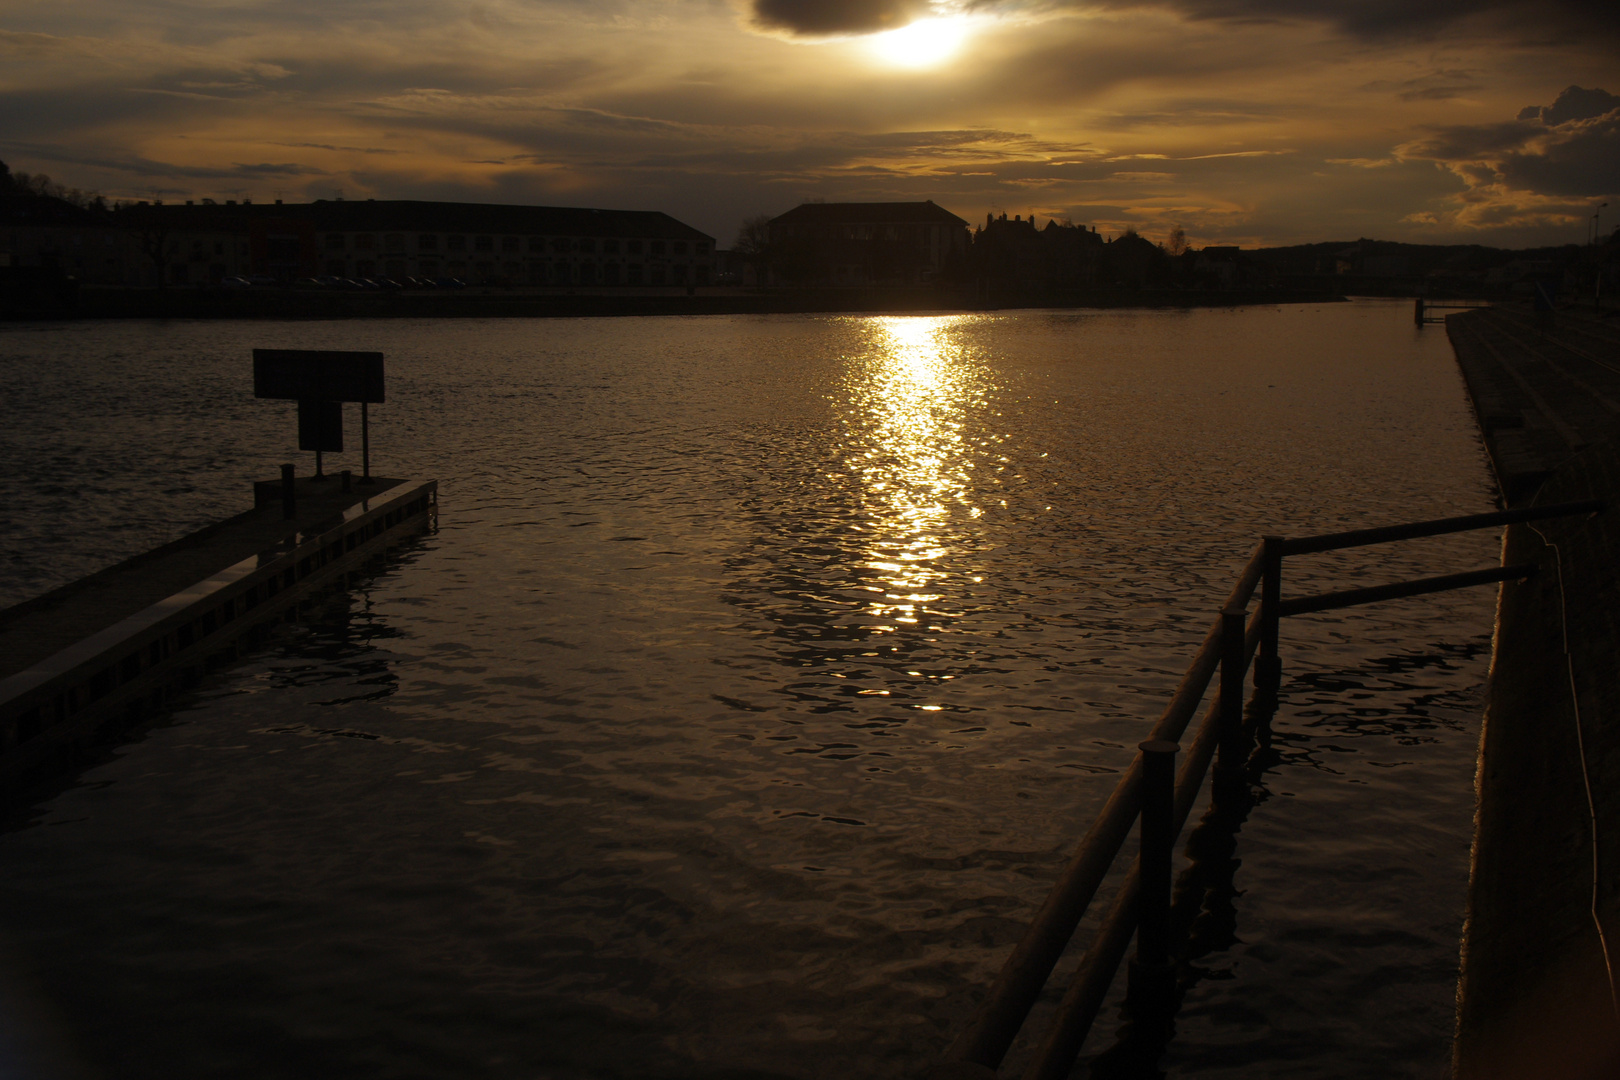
<point>753,243</point>
<point>1178,242</point>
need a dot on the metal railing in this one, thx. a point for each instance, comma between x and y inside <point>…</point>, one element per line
<point>1421,310</point>
<point>1163,798</point>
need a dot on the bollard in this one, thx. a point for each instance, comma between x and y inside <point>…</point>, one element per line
<point>289,498</point>
<point>1152,976</point>
<point>1418,315</point>
<point>345,479</point>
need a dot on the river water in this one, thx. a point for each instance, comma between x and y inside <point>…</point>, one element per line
<point>758,679</point>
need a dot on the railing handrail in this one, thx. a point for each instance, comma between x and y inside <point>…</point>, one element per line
<point>1306,545</point>
<point>984,1042</point>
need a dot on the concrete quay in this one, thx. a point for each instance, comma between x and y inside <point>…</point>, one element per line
<point>85,659</point>
<point>1537,994</point>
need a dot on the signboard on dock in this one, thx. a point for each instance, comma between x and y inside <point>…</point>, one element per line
<point>317,375</point>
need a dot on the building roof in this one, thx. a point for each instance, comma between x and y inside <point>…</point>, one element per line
<point>405,215</point>
<point>883,213</point>
<point>23,211</point>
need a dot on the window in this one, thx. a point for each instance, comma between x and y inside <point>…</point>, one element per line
<point>701,247</point>
<point>680,247</point>
<point>427,242</point>
<point>610,274</point>
<point>509,243</point>
<point>560,273</point>
<point>632,274</point>
<point>559,244</point>
<point>656,273</point>
<point>537,243</point>
<point>633,247</point>
<point>334,241</point>
<point>657,247</point>
<point>365,242</point>
<point>588,246</point>
<point>219,247</point>
<point>394,242</point>
<point>335,267</point>
<point>610,247</point>
<point>455,243</point>
<point>483,243</point>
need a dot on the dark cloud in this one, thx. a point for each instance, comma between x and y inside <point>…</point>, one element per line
<point>822,18</point>
<point>1570,148</point>
<point>1575,103</point>
<point>1360,18</point>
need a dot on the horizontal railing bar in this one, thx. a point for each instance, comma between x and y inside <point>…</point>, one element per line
<point>985,1041</point>
<point>1084,998</point>
<point>1304,605</point>
<point>1305,545</point>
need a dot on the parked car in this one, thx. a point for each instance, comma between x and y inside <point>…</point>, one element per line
<point>449,283</point>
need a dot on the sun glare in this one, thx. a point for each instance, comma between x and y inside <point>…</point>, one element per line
<point>923,43</point>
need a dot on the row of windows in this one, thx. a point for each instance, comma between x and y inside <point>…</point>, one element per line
<point>535,272</point>
<point>510,244</point>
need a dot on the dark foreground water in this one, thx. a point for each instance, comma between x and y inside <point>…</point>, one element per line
<point>759,678</point>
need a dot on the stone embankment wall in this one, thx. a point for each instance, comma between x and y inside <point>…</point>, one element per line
<point>1536,994</point>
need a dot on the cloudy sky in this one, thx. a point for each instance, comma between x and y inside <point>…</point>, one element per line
<point>1242,121</point>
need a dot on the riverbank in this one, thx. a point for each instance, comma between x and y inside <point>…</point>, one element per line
<point>89,302</point>
<point>1535,996</point>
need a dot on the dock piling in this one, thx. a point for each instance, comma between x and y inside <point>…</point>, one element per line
<point>1152,977</point>
<point>1234,664</point>
<point>1268,665</point>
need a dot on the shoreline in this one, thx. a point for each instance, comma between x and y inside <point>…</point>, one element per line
<point>88,302</point>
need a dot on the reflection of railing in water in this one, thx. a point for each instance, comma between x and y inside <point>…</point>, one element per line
<point>1153,790</point>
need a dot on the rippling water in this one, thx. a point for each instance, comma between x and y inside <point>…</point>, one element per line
<point>760,676</point>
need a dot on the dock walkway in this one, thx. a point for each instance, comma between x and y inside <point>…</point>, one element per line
<point>38,628</point>
<point>1535,996</point>
<point>85,660</point>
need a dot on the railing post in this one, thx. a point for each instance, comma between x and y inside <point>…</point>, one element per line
<point>289,498</point>
<point>1233,663</point>
<point>1268,664</point>
<point>1152,976</point>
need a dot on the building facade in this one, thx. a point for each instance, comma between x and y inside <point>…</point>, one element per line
<point>855,244</point>
<point>480,244</point>
<point>41,235</point>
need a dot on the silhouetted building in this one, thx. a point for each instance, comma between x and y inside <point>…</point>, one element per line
<point>482,244</point>
<point>43,235</point>
<point>1014,255</point>
<point>912,243</point>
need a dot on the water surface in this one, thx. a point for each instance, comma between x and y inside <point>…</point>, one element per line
<point>758,679</point>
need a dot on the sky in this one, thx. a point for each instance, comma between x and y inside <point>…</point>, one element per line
<point>1253,122</point>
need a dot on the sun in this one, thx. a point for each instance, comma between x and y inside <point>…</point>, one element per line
<point>921,44</point>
